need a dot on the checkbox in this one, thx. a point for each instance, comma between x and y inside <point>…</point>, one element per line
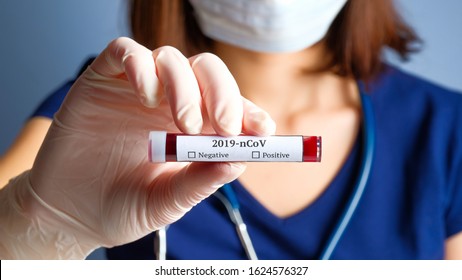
<point>255,154</point>
<point>191,154</point>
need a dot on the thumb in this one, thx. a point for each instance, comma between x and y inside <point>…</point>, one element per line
<point>188,187</point>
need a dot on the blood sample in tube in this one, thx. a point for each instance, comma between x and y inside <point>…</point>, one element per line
<point>172,147</point>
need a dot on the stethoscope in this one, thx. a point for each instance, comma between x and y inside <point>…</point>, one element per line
<point>229,199</point>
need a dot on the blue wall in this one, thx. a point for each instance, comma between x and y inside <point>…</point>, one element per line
<point>44,42</point>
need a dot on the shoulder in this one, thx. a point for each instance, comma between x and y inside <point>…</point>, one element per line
<point>405,101</point>
<point>396,87</point>
<point>415,107</point>
<point>50,105</point>
<point>418,122</point>
<point>419,141</point>
<point>419,119</point>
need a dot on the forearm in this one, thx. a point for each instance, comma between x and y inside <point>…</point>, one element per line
<point>21,154</point>
<point>29,230</point>
<point>454,247</point>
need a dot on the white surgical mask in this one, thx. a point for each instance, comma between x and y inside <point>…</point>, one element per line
<point>267,25</point>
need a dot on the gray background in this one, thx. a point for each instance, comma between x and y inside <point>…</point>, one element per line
<point>44,43</point>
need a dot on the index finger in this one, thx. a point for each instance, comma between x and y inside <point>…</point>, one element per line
<point>220,93</point>
<point>125,58</point>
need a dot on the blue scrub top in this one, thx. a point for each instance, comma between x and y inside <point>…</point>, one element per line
<point>412,202</point>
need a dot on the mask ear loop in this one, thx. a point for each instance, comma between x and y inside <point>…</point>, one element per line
<point>365,169</point>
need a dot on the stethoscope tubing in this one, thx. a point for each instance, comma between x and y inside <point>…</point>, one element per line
<point>362,179</point>
<point>229,199</point>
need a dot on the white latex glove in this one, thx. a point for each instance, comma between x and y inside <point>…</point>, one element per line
<point>92,184</point>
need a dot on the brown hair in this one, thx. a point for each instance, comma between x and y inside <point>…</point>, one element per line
<point>355,39</point>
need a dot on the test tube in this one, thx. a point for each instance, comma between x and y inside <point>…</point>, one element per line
<point>173,147</point>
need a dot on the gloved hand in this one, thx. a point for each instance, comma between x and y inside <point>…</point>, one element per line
<point>91,184</point>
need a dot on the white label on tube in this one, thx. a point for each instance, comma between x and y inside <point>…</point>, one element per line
<point>239,148</point>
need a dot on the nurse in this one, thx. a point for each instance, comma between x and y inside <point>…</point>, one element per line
<point>299,62</point>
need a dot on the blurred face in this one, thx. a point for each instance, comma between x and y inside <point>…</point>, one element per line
<point>267,25</point>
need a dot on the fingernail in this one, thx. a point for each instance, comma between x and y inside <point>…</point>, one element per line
<point>191,119</point>
<point>193,125</point>
<point>230,127</point>
<point>143,98</point>
<point>149,102</point>
<point>150,92</point>
<point>263,122</point>
<point>237,167</point>
<point>258,116</point>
